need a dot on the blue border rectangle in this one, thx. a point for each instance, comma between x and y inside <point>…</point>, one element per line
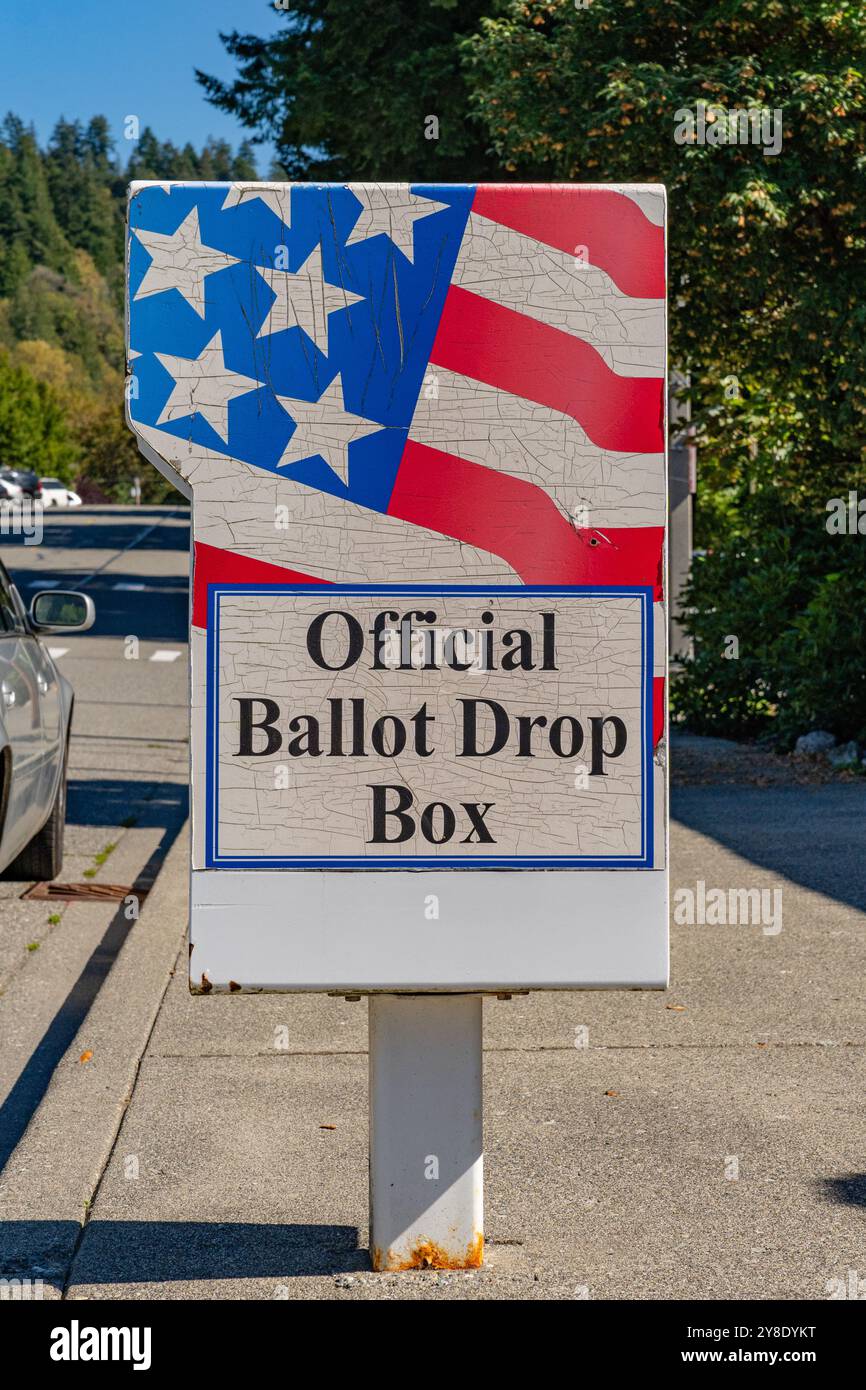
<point>214,860</point>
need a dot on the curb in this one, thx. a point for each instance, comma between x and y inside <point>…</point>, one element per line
<point>49,1182</point>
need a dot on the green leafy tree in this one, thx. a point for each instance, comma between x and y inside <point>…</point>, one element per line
<point>109,459</point>
<point>794,599</point>
<point>767,266</point>
<point>33,431</point>
<point>79,316</point>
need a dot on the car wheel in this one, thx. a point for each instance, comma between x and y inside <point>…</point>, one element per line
<point>42,858</point>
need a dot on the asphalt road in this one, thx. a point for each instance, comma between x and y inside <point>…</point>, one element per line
<point>127,772</point>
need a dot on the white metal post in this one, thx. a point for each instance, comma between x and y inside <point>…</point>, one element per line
<point>426,1146</point>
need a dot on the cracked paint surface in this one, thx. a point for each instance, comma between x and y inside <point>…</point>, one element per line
<point>539,806</point>
<point>428,385</point>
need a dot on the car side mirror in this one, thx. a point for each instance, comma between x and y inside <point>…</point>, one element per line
<point>62,610</point>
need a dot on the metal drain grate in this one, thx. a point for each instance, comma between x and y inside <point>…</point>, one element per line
<point>84,892</point>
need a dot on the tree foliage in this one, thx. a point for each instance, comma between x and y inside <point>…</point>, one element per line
<point>32,422</point>
<point>62,213</point>
<point>793,599</point>
<point>346,90</point>
<point>766,251</point>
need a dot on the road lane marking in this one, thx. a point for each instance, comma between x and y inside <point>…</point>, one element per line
<point>164,654</point>
<point>132,588</point>
<point>85,579</point>
<point>56,652</point>
<point>136,540</point>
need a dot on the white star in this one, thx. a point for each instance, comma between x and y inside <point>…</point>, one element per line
<point>180,262</point>
<point>276,196</point>
<point>304,300</point>
<point>203,386</point>
<point>236,194</point>
<point>391,210</point>
<point>326,428</point>
<point>138,184</point>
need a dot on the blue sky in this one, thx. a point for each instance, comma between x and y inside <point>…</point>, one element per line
<point>124,57</point>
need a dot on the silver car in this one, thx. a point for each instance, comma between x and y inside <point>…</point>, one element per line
<point>35,718</point>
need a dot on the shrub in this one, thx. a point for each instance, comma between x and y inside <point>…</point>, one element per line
<point>795,600</point>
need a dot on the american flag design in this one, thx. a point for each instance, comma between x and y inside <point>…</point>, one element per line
<point>441,384</point>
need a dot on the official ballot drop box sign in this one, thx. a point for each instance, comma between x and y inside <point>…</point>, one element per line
<point>422,429</point>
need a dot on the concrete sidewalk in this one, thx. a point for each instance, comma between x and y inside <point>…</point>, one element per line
<point>706,1143</point>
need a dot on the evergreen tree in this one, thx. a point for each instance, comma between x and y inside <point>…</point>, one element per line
<point>344,93</point>
<point>243,166</point>
<point>146,158</point>
<point>62,214</point>
<point>79,180</point>
<point>27,215</point>
<point>100,146</point>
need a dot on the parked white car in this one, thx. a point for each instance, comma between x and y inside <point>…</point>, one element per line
<point>57,494</point>
<point>9,491</point>
<point>35,718</point>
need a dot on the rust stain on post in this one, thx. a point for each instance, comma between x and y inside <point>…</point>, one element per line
<point>426,1254</point>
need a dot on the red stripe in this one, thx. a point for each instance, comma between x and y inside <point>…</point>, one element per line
<point>212,565</point>
<point>619,238</point>
<point>519,522</point>
<point>658,709</point>
<point>515,353</point>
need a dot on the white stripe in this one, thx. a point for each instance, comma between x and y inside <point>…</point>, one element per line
<point>236,508</point>
<point>660,639</point>
<point>650,198</point>
<point>165,654</point>
<point>130,588</point>
<point>56,652</point>
<point>198,736</point>
<point>525,275</point>
<point>591,486</point>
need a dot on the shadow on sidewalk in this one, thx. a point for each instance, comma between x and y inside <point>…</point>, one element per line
<point>849,1192</point>
<point>814,836</point>
<point>160,1252</point>
<point>167,808</point>
<point>112,801</point>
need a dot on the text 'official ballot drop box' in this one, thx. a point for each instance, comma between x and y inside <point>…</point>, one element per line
<point>422,429</point>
